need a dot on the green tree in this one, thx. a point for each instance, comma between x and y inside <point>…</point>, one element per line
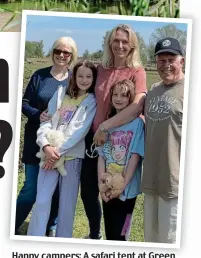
<point>29,49</point>
<point>143,48</point>
<point>39,49</point>
<point>34,49</point>
<point>86,54</point>
<point>104,38</point>
<point>48,53</point>
<point>97,55</point>
<point>167,31</point>
<point>150,53</point>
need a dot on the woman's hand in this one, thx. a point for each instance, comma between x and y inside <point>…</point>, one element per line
<point>44,116</point>
<point>100,136</point>
<point>51,153</point>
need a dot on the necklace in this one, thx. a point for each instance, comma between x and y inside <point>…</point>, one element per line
<point>61,75</point>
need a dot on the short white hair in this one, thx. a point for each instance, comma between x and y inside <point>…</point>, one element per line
<point>178,56</point>
<point>69,42</point>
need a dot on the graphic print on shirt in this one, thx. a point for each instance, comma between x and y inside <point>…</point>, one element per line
<point>65,115</point>
<point>116,149</point>
<point>159,107</point>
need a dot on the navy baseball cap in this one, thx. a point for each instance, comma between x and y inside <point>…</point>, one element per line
<point>169,45</point>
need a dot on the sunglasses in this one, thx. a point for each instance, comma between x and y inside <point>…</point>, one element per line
<point>65,53</point>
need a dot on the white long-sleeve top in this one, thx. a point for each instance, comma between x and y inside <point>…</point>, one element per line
<point>76,130</point>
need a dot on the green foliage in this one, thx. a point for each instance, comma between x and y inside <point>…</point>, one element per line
<point>139,7</point>
<point>97,55</point>
<point>166,31</point>
<point>157,8</point>
<point>104,38</point>
<point>143,49</point>
<point>86,54</point>
<point>160,8</point>
<point>150,53</point>
<point>164,8</point>
<point>34,49</point>
<point>48,53</point>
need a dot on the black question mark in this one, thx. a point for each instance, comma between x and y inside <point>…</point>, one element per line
<point>5,141</point>
<point>6,133</point>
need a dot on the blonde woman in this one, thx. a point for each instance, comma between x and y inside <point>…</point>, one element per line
<point>121,60</point>
<point>40,89</point>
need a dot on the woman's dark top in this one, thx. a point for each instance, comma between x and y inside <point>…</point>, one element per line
<point>39,91</point>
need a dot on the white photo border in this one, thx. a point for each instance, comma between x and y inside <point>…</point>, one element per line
<point>25,13</point>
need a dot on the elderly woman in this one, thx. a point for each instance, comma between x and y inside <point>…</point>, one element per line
<point>121,60</point>
<point>40,89</point>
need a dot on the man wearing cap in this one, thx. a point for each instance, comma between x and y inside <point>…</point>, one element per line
<point>163,117</point>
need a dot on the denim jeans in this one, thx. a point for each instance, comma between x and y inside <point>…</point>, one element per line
<point>27,198</point>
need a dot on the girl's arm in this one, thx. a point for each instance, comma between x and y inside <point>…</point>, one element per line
<point>29,111</point>
<point>128,173</point>
<point>129,113</point>
<point>50,152</point>
<point>101,168</point>
<point>101,172</point>
<point>131,168</point>
<point>79,126</point>
<point>41,133</point>
<point>137,151</point>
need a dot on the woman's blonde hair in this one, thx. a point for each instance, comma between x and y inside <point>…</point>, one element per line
<point>69,42</point>
<point>133,58</point>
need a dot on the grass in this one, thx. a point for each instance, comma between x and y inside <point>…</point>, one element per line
<point>81,223</point>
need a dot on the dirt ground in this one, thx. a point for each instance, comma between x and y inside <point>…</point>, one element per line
<point>4,17</point>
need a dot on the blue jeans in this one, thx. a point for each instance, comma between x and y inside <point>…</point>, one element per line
<point>27,198</point>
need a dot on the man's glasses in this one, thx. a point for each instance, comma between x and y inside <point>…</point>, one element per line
<point>65,53</point>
